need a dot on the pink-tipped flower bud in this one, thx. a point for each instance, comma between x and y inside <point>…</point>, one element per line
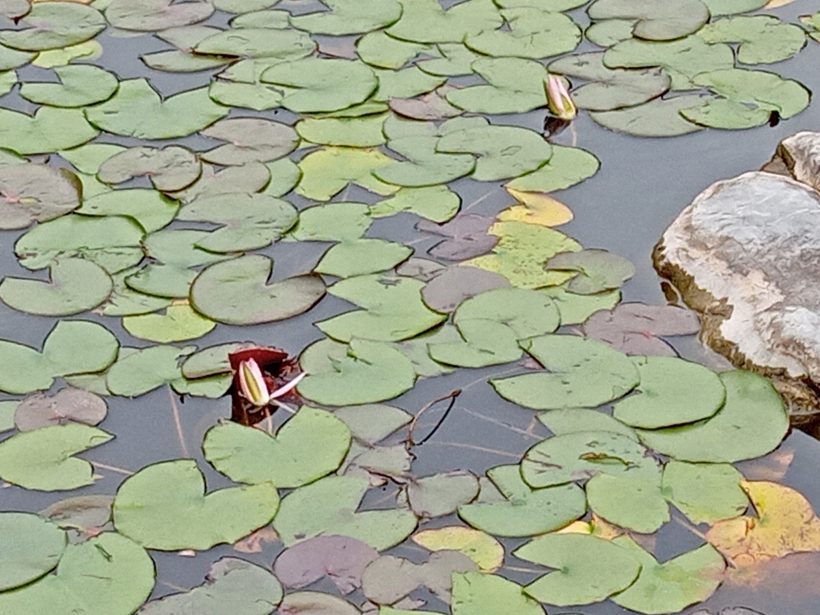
<point>252,383</point>
<point>558,99</point>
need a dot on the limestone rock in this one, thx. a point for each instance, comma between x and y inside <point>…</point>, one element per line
<point>746,255</point>
<point>799,156</point>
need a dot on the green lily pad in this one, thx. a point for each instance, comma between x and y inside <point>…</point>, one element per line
<point>521,510</point>
<point>232,585</point>
<point>682,59</point>
<point>7,410</point>
<point>610,88</point>
<point>425,21</point>
<point>44,460</point>
<point>75,286</point>
<point>246,178</point>
<point>598,270</point>
<point>137,110</point>
<point>339,221</point>
<point>329,506</point>
<point>383,51</point>
<point>475,593</point>
<point>31,548</point>
<point>704,492</point>
<point>435,203</point>
<point>671,392</point>
<point>654,19</point>
<point>584,454</point>
<point>441,494</point>
<point>170,169</point>
<point>360,373</point>
<point>309,446</point>
<point>314,85</point>
<point>52,25</point>
<point>719,8</point>
<point>405,83</point>
<point>634,503</point>
<point>657,118</point>
<point>566,167</point>
<point>343,132</point>
<point>50,129</point>
<point>813,21</point>
<point>422,164</point>
<point>503,151</point>
<point>753,413</point>
<point>88,158</point>
<point>608,32</point>
<point>257,43</point>
<point>328,171</point>
<point>35,192</point>
<point>79,86</point>
<point>247,221</point>
<point>235,89</point>
<point>145,369</point>
<point>571,420</point>
<point>576,309</point>
<point>153,15</point>
<point>161,281</point>
<point>527,313</point>
<point>392,309</point>
<point>672,586</point>
<point>588,568</point>
<point>529,33</point>
<point>151,209</point>
<point>584,373</point>
<point>349,17</point>
<point>360,257</point>
<point>455,60</point>
<point>164,506</point>
<point>762,39</point>
<point>178,323</point>
<point>482,343</point>
<point>237,292</point>
<point>514,85</point>
<point>107,574</point>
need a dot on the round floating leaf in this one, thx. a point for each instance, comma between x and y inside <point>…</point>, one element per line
<point>475,593</point>
<point>392,309</point>
<point>360,257</point>
<point>654,19</point>
<point>75,286</point>
<point>89,50</point>
<point>431,106</point>
<point>423,165</point>
<point>588,569</point>
<point>514,85</point>
<point>329,506</point>
<point>441,494</point>
<point>598,270</point>
<point>584,373</point>
<point>60,348</point>
<point>571,420</point>
<point>340,558</point>
<point>521,510</point>
<point>7,409</point>
<point>44,460</point>
<point>247,221</point>
<point>536,208</point>
<point>237,292</point>
<point>610,88</point>
<point>161,281</point>
<point>315,603</point>
<point>332,222</point>
<point>107,574</point>
<point>315,85</point>
<point>328,171</point>
<point>390,579</point>
<point>482,343</point>
<point>682,59</point>
<point>503,151</point>
<point>247,178</point>
<point>633,503</point>
<point>753,413</point>
<point>257,43</point>
<point>672,392</point>
<point>349,17</point>
<point>482,548</point>
<point>178,323</point>
<point>164,507</point>
<point>762,39</point>
<point>730,7</point>
<point>566,167</point>
<point>51,25</point>
<point>31,547</point>
<point>33,192</point>
<point>455,284</point>
<point>427,22</point>
<point>153,15</point>
<point>249,140</point>
<point>372,423</point>
<point>66,406</point>
<point>231,585</point>
<point>529,33</point>
<point>143,370</point>
<point>361,373</point>
<point>346,131</point>
<point>583,454</point>
<point>137,110</point>
<point>672,586</point>
<point>383,51</point>
<point>309,446</point>
<point>79,85</point>
<point>657,118</point>
<point>48,130</point>
<point>813,21</point>
<point>608,32</point>
<point>576,309</point>
<point>528,313</point>
<point>169,169</point>
<point>436,203</point>
<point>705,493</point>
<point>151,209</point>
<point>405,83</point>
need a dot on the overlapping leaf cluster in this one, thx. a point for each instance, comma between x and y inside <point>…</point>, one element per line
<point>174,239</point>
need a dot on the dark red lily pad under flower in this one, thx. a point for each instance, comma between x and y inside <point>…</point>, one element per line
<point>277,370</point>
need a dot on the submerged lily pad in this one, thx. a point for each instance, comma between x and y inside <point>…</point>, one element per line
<point>657,118</point>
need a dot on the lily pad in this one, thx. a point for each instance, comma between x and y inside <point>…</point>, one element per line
<point>566,167</point>
<point>330,506</point>
<point>51,25</point>
<point>340,558</point>
<point>349,17</point>
<point>44,460</point>
<point>66,406</point>
<point>426,21</point>
<point>657,118</point>
<point>328,171</point>
<point>31,548</point>
<point>441,494</point>
<point>514,85</point>
<point>762,39</point>
<point>475,593</point>
<point>480,547</point>
<point>383,51</point>
<point>390,579</point>
<point>588,569</point>
<point>309,446</point>
<point>79,86</point>
<point>237,292</point>
<point>164,507</point>
<point>151,209</point>
<point>154,15</point>
<point>50,129</point>
<point>344,131</point>
<point>435,203</point>
<point>338,221</point>
<point>598,270</point>
<point>528,32</point>
<point>704,492</point>
<point>360,257</point>
<point>634,503</point>
<point>36,193</point>
<point>179,322</point>
<point>654,19</point>
<point>257,43</point>
<point>170,169</point>
<point>143,370</point>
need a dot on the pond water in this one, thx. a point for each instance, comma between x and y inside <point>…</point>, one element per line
<point>641,186</point>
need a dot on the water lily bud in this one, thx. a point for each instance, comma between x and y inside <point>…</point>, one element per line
<point>252,384</point>
<point>558,99</point>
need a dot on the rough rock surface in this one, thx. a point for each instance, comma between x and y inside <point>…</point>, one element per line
<point>746,255</point>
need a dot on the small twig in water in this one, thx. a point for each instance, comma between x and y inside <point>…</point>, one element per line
<point>452,396</point>
<point>105,466</point>
<point>178,423</point>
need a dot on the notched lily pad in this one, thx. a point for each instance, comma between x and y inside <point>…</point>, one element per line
<point>36,193</point>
